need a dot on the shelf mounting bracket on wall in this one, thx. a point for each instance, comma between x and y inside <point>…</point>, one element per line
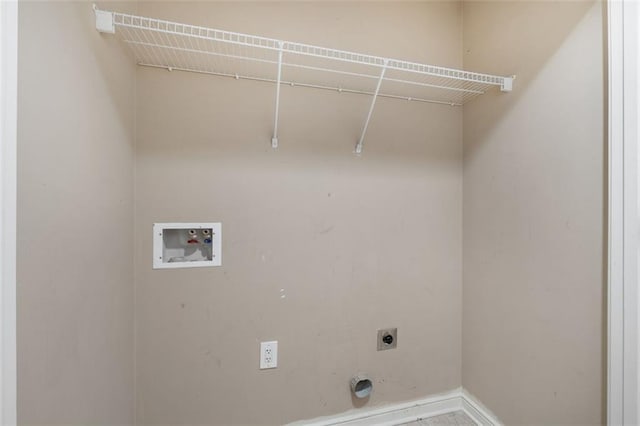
<point>373,104</point>
<point>104,21</point>
<point>507,84</point>
<point>274,139</point>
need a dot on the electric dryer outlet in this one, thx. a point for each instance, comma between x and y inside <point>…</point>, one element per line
<point>387,339</point>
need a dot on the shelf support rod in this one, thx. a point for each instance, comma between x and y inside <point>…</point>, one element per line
<point>274,139</point>
<point>373,104</point>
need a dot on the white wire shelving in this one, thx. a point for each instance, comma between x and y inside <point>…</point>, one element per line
<point>175,46</point>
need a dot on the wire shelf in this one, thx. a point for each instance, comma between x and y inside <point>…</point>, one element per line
<point>176,46</point>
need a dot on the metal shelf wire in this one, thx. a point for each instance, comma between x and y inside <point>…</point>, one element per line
<point>175,46</point>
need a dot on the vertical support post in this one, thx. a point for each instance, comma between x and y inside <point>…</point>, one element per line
<point>274,139</point>
<point>373,104</point>
<point>8,190</point>
<point>623,357</point>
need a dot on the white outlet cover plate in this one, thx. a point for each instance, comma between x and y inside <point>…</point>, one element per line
<point>268,355</point>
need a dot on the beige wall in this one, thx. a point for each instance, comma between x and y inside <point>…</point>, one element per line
<point>75,219</point>
<point>354,243</point>
<point>533,317</point>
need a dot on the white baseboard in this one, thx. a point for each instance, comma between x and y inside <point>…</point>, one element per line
<point>397,414</point>
<point>477,411</point>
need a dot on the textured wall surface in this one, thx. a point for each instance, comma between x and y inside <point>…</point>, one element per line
<point>534,178</point>
<point>75,219</point>
<point>320,247</point>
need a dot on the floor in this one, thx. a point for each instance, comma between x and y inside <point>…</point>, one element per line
<point>457,418</point>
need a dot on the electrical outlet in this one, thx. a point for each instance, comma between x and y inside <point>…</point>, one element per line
<point>387,339</point>
<point>268,355</point>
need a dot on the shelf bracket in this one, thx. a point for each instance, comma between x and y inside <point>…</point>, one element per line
<point>104,21</point>
<point>507,84</point>
<point>274,139</point>
<point>373,104</point>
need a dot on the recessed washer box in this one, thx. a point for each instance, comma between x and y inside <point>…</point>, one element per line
<point>187,245</point>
